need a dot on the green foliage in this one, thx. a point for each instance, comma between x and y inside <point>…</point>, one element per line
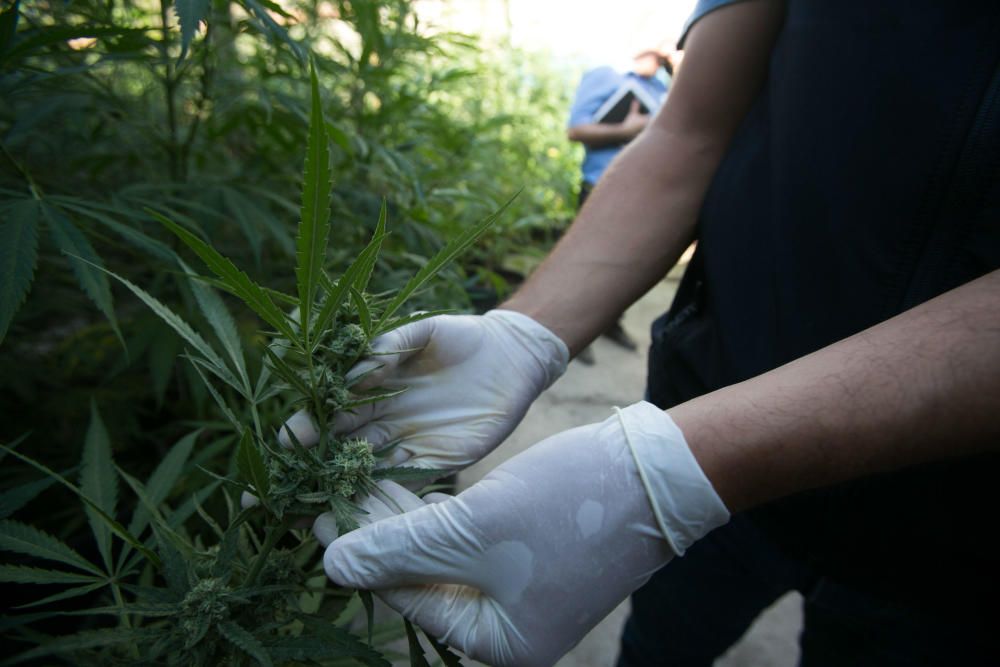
<point>177,600</point>
<point>133,135</point>
<point>18,256</point>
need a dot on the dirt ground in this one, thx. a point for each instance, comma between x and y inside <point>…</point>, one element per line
<point>586,394</point>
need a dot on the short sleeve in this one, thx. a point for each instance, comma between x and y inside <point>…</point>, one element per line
<point>595,87</point>
<point>703,7</point>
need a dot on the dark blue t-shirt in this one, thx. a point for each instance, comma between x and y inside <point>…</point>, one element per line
<point>865,180</point>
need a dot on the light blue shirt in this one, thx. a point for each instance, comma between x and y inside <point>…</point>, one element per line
<point>703,7</point>
<point>595,88</point>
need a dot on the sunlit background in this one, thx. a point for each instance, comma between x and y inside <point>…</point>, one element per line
<point>577,33</point>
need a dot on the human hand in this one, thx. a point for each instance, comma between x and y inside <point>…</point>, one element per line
<point>635,121</point>
<point>468,381</point>
<point>516,569</point>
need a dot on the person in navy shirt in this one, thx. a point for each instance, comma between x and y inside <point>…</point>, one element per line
<point>823,400</point>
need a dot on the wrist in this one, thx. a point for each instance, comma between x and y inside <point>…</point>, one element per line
<point>682,497</point>
<point>546,348</point>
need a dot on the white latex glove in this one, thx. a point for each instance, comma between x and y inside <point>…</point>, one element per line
<point>516,569</point>
<point>469,380</point>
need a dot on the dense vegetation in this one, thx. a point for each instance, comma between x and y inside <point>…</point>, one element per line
<point>115,114</point>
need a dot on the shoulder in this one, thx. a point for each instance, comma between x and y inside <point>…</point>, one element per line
<point>600,76</point>
<point>701,9</point>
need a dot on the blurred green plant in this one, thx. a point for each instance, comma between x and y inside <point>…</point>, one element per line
<point>111,108</point>
<point>254,595</point>
<point>115,114</point>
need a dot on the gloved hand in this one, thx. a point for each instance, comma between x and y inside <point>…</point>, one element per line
<point>516,569</point>
<point>469,380</point>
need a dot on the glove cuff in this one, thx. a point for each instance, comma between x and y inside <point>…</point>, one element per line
<point>548,349</point>
<point>686,506</point>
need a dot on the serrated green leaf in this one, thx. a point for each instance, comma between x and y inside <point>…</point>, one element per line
<point>164,349</point>
<point>364,315</point>
<point>215,363</point>
<point>222,323</point>
<point>339,642</point>
<point>369,604</point>
<point>18,257</point>
<point>246,216</point>
<point>216,396</point>
<point>189,14</point>
<point>270,27</point>
<point>67,594</point>
<point>417,658</point>
<point>86,263</point>
<point>314,225</point>
<point>115,527</point>
<point>187,508</point>
<point>83,640</point>
<point>99,481</point>
<point>439,261</point>
<point>368,265</point>
<point>447,657</point>
<point>30,541</point>
<point>100,213</point>
<point>239,282</point>
<point>246,642</point>
<point>175,567</point>
<point>14,499</point>
<point>151,507</point>
<point>397,322</point>
<point>336,292</point>
<point>163,479</point>
<point>8,25</point>
<point>39,39</point>
<point>286,372</point>
<point>23,574</point>
<point>251,466</point>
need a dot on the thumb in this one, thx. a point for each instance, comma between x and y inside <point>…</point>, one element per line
<point>389,351</point>
<point>429,545</point>
<point>635,107</point>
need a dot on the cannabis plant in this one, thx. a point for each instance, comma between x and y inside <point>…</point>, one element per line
<point>246,589</point>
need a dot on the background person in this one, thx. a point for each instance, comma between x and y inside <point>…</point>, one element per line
<point>603,141</point>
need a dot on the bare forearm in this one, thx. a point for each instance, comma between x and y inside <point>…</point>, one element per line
<point>635,225</point>
<point>921,386</point>
<point>597,135</point>
<point>643,213</point>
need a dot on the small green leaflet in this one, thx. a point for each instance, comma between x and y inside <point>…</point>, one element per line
<point>163,479</point>
<point>314,226</point>
<point>439,261</point>
<point>99,481</point>
<point>251,466</point>
<point>252,294</point>
<point>22,538</point>
<point>222,323</point>
<point>115,527</point>
<point>213,361</point>
<point>22,574</point>
<point>18,256</point>
<point>447,657</point>
<point>369,603</point>
<point>189,13</point>
<point>246,642</point>
<point>86,263</point>
<point>417,658</point>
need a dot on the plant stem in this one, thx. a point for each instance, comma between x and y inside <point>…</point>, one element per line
<point>169,91</point>
<point>125,622</point>
<point>274,534</point>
